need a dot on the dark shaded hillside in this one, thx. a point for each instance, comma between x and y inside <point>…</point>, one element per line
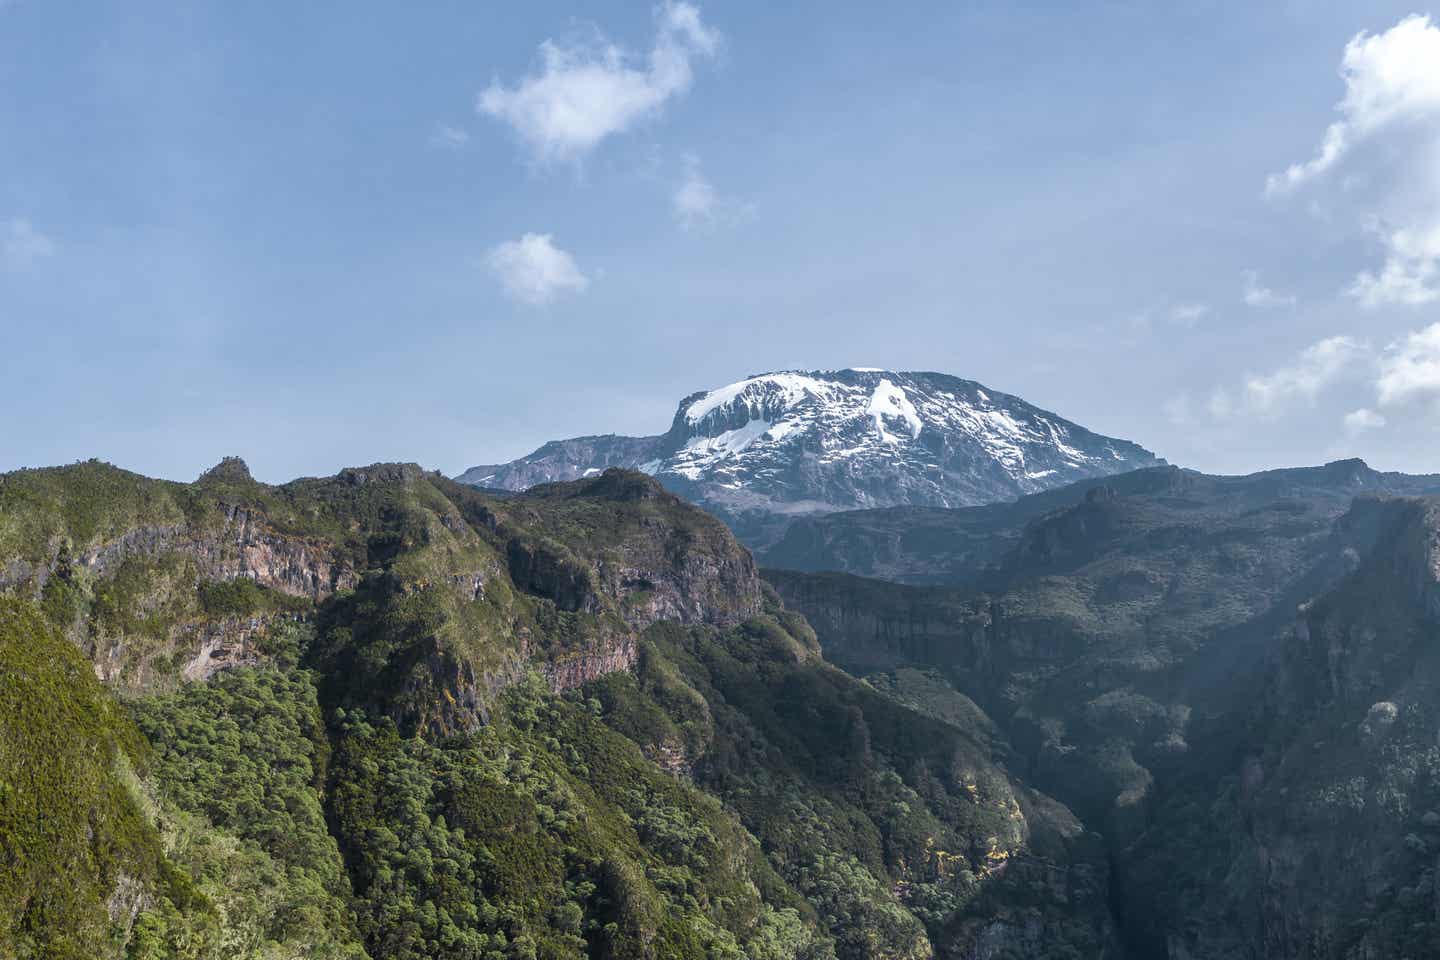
<point>1327,809</point>
<point>1141,651</point>
<point>933,546</point>
<point>383,714</point>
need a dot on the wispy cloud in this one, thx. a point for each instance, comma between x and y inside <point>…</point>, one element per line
<point>1362,420</point>
<point>534,271</point>
<point>21,244</point>
<point>696,203</point>
<point>695,200</point>
<point>1299,382</point>
<point>449,136</point>
<point>1189,314</point>
<point>1256,294</point>
<point>585,92</point>
<point>1404,376</point>
<point>1410,368</point>
<point>1157,319</point>
<point>1387,144</point>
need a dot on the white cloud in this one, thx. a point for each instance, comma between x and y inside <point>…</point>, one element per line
<point>21,244</point>
<point>1387,141</point>
<point>584,93</point>
<point>1410,368</point>
<point>1318,366</point>
<point>533,270</point>
<point>446,135</point>
<point>1257,294</point>
<point>1358,421</point>
<point>1403,281</point>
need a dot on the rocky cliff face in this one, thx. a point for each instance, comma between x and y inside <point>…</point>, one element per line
<point>779,445</point>
<point>127,565</point>
<point>643,550</point>
<point>197,577</point>
<point>244,545</point>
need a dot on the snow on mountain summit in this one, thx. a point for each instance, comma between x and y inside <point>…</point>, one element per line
<point>795,441</point>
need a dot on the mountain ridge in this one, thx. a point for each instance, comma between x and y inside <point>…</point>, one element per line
<point>932,545</point>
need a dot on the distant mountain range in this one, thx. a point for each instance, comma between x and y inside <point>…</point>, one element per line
<point>774,446</point>
<point>928,545</point>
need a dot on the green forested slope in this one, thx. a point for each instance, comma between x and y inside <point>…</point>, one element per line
<point>384,715</point>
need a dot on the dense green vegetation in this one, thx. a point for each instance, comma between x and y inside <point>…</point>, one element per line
<point>238,766</point>
<point>75,846</point>
<point>549,836</point>
<point>193,830</point>
<point>386,716</point>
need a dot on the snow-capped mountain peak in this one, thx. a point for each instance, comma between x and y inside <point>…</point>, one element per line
<point>804,441</point>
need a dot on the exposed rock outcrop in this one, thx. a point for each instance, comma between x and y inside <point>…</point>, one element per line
<point>567,673</point>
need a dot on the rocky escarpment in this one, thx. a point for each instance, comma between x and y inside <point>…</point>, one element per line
<point>478,590</point>
<point>160,583</point>
<point>223,540</point>
<point>867,625</point>
<point>717,789</point>
<point>242,545</point>
<point>592,664</point>
<point>221,644</point>
<point>646,551</point>
<point>1309,827</point>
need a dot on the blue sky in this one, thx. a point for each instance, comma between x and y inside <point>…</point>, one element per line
<point>332,233</point>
